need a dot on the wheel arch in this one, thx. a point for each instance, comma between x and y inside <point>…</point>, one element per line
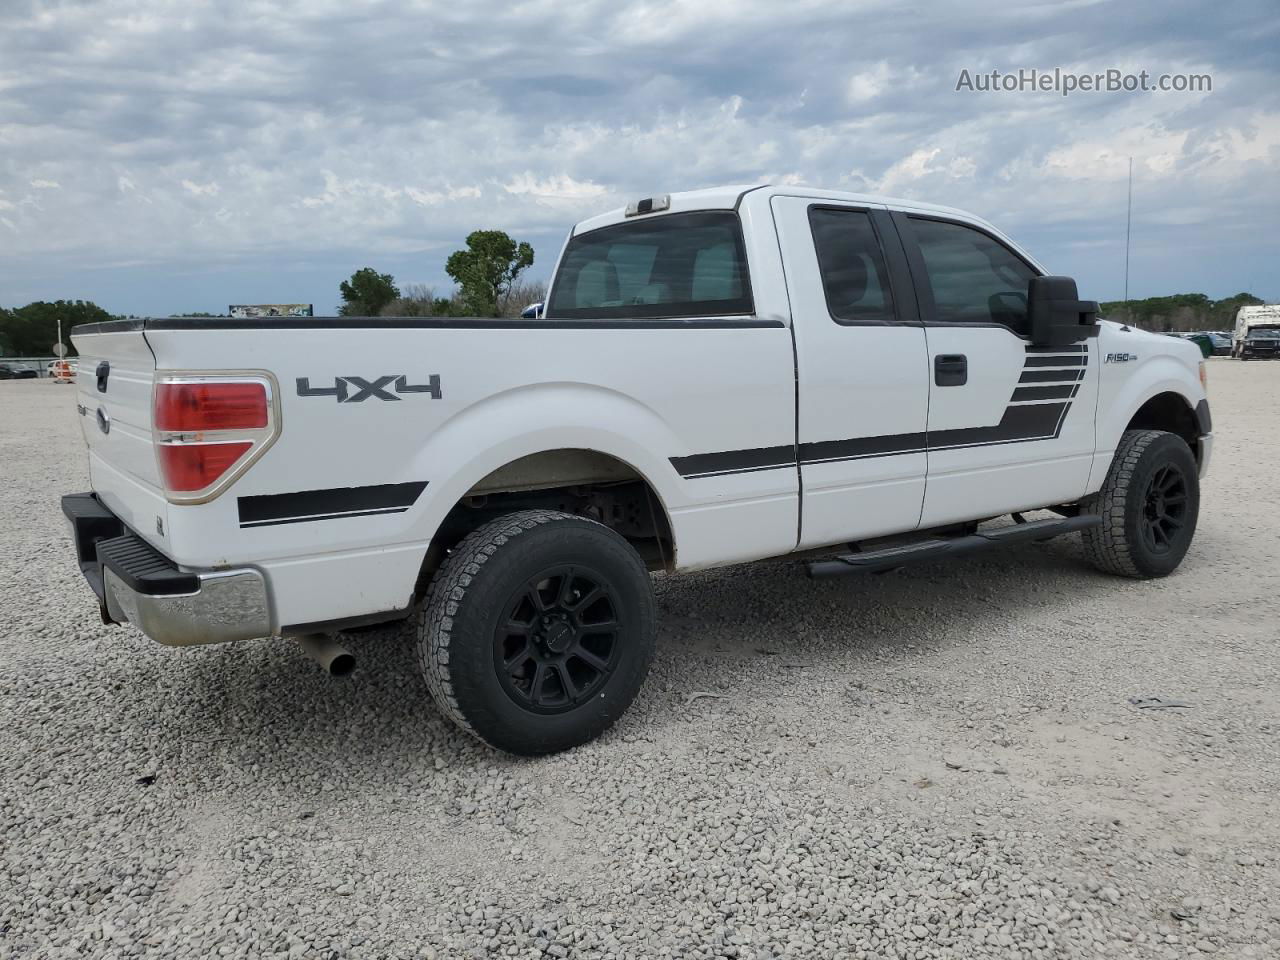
<point>1172,412</point>
<point>583,481</point>
<point>1161,394</point>
<point>570,446</point>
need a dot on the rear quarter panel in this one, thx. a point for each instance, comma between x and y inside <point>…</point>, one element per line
<point>640,395</point>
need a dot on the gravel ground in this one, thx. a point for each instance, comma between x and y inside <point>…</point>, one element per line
<point>941,762</point>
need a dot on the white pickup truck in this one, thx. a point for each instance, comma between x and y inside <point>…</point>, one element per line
<point>717,377</point>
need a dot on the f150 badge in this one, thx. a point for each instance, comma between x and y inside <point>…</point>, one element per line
<point>1120,357</point>
<point>356,389</point>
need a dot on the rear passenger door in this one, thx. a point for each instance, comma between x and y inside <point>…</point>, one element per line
<point>1010,424</point>
<point>862,371</point>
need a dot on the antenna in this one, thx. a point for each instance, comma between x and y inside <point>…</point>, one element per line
<point>1128,224</point>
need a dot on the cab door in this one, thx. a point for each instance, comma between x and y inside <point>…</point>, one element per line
<point>1010,424</point>
<point>862,371</point>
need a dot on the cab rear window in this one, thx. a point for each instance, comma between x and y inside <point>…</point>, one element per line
<point>678,265</point>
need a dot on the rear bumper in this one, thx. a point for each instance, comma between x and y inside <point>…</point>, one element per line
<point>135,583</point>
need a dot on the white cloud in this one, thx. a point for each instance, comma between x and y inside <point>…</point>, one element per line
<point>869,84</point>
<point>41,184</point>
<point>431,198</point>
<point>557,188</point>
<point>200,189</point>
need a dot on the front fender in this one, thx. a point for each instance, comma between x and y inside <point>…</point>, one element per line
<point>1119,400</point>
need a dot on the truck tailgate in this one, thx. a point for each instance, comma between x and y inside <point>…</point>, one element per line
<point>113,387</point>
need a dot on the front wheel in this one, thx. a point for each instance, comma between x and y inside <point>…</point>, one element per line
<point>537,631</point>
<point>1149,505</point>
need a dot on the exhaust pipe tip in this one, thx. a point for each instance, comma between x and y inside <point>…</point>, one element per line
<point>342,665</point>
<point>333,658</point>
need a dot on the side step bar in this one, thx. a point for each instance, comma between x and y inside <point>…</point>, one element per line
<point>891,558</point>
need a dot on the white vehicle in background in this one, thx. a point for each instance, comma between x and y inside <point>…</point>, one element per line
<point>62,370</point>
<point>1257,333</point>
<point>717,377</point>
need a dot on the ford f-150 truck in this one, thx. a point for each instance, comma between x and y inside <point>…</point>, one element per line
<point>716,377</point>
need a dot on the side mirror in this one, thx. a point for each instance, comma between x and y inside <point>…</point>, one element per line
<point>1056,314</point>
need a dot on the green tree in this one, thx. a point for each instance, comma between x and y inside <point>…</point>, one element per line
<point>487,268</point>
<point>31,331</point>
<point>366,293</point>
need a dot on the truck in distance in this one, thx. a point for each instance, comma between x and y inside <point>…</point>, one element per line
<point>1257,333</point>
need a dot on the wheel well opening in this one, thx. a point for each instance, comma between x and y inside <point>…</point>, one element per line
<point>1169,411</point>
<point>585,483</point>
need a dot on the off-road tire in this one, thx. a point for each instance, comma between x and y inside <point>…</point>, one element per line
<point>1119,546</point>
<point>473,589</point>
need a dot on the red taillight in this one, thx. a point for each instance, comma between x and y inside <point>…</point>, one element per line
<point>196,407</point>
<point>187,467</point>
<point>209,428</point>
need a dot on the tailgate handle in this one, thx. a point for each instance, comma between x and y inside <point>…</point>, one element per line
<point>103,371</point>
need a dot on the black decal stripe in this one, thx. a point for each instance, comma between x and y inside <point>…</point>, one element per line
<point>1063,392</point>
<point>828,451</point>
<point>325,516</point>
<point>1032,419</point>
<point>1051,376</point>
<point>328,504</point>
<point>1046,361</point>
<point>1039,421</point>
<point>735,461</point>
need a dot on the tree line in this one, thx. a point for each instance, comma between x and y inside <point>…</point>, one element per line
<point>487,273</point>
<point>1181,312</point>
<point>31,331</point>
<point>488,277</point>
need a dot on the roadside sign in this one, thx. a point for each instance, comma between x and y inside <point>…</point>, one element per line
<point>59,349</point>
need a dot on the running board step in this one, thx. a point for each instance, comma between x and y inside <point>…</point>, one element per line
<point>891,558</point>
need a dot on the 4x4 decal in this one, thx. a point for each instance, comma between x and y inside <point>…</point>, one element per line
<point>357,389</point>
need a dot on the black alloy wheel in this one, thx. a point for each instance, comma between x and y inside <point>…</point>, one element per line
<point>1164,508</point>
<point>556,644</point>
<point>537,631</point>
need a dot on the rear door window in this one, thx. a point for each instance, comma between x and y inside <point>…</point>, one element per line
<point>854,277</point>
<point>678,265</point>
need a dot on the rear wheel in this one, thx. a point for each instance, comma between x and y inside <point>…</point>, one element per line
<point>537,631</point>
<point>1149,505</point>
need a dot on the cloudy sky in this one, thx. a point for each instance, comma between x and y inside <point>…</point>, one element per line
<point>163,156</point>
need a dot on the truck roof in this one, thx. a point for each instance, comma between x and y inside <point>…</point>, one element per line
<point>1269,312</point>
<point>728,197</point>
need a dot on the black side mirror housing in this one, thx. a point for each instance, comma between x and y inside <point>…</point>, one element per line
<point>1056,314</point>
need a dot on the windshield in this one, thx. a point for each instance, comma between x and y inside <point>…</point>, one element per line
<point>678,265</point>
<point>1264,333</point>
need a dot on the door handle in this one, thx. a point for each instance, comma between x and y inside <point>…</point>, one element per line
<point>103,371</point>
<point>951,369</point>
